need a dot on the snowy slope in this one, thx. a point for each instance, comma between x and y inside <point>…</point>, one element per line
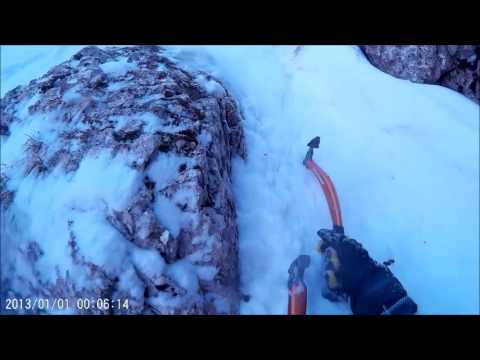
<point>20,64</point>
<point>404,158</point>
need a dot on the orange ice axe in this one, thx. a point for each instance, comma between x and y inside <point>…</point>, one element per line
<point>326,184</point>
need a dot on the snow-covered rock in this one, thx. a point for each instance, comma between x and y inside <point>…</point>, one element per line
<point>454,66</point>
<point>116,184</point>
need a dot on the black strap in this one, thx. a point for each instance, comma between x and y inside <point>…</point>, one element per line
<point>403,306</point>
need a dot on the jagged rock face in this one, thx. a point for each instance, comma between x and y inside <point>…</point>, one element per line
<point>116,184</point>
<point>454,66</point>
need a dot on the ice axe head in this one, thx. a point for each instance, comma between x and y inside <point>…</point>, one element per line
<point>297,269</point>
<point>313,144</point>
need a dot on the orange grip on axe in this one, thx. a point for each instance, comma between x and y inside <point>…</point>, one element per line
<point>297,300</point>
<point>297,290</point>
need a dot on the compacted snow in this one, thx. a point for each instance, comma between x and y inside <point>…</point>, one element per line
<point>404,158</point>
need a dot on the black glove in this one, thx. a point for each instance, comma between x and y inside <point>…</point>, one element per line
<point>350,273</point>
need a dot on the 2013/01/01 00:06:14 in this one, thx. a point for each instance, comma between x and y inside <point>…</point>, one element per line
<point>22,304</point>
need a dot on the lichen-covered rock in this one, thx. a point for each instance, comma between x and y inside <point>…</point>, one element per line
<point>454,66</point>
<point>116,184</point>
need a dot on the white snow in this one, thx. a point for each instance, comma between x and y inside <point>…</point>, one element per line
<point>118,67</point>
<point>151,122</point>
<point>404,158</point>
<point>49,203</point>
<point>149,262</point>
<point>185,274</point>
<point>168,213</point>
<point>211,86</point>
<point>204,138</point>
<point>97,240</point>
<point>207,273</point>
<point>71,95</point>
<point>164,169</point>
<point>114,86</point>
<point>21,64</point>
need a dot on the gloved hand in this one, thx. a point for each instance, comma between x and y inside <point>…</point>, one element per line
<point>350,273</point>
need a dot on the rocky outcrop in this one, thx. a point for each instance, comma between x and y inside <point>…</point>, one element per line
<point>128,118</point>
<point>454,66</point>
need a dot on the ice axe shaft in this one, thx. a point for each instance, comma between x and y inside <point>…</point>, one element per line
<point>297,301</point>
<point>297,290</point>
<point>326,184</point>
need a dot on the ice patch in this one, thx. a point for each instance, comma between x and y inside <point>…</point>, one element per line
<point>210,85</point>
<point>149,262</point>
<point>186,197</point>
<point>164,300</point>
<point>117,85</point>
<point>165,168</point>
<point>118,67</point>
<point>130,282</point>
<point>98,241</point>
<point>204,138</point>
<point>114,185</point>
<point>22,108</point>
<point>148,98</point>
<point>71,95</point>
<point>151,121</point>
<point>207,273</point>
<point>184,273</point>
<point>170,215</point>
